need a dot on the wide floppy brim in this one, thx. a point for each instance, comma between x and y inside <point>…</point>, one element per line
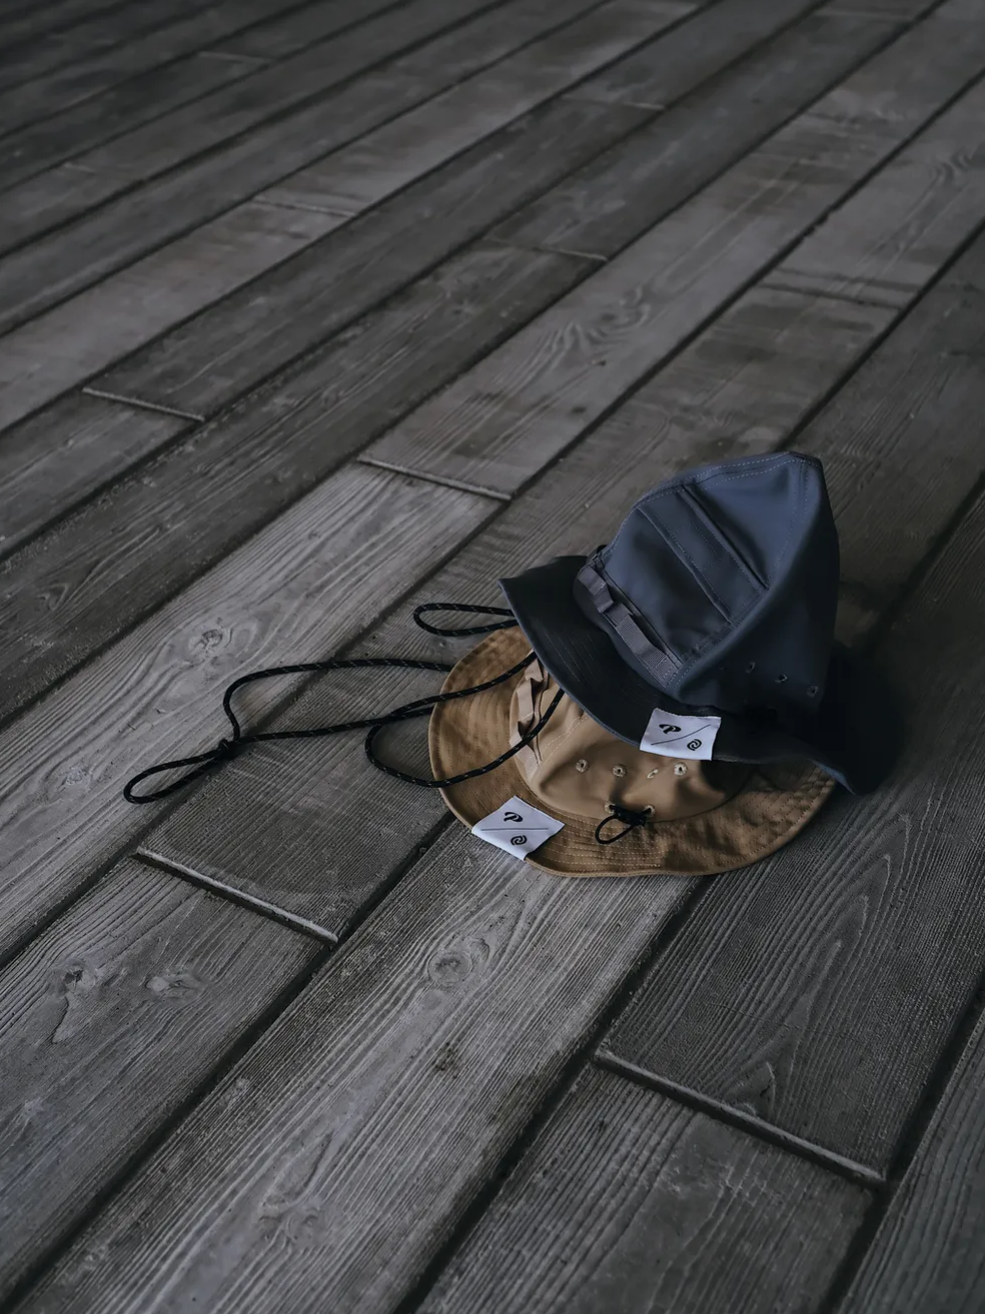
<point>768,811</point>
<point>854,737</point>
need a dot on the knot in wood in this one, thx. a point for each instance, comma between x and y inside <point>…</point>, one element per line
<point>449,966</point>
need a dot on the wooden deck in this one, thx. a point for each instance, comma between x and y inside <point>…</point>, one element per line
<point>315,311</point>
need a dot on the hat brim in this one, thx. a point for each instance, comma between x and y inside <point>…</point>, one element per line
<point>773,805</point>
<point>855,736</point>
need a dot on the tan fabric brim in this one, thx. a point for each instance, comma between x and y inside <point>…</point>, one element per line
<point>775,804</point>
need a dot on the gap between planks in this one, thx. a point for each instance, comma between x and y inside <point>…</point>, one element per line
<point>747,1122</point>
<point>446,482</point>
<point>250,901</point>
<point>144,405</point>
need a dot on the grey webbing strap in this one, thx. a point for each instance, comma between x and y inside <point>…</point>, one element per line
<point>659,665</point>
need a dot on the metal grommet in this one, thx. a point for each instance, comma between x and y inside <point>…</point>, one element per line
<point>812,691</point>
<point>750,668</point>
<point>651,774</point>
<point>781,679</point>
<point>618,770</point>
<point>581,764</point>
<point>648,810</point>
<point>680,769</point>
<point>609,808</point>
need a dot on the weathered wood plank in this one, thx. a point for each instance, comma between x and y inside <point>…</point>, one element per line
<point>894,92</point>
<point>310,74</point>
<point>182,370</point>
<point>26,59</point>
<point>349,271</point>
<point>393,1084</point>
<point>295,591</point>
<point>899,9</point>
<point>432,1077</point>
<point>46,143</point>
<point>44,201</point>
<point>400,151</point>
<point>29,21</point>
<point>841,966</point>
<point>65,453</point>
<point>242,471</point>
<point>49,270</point>
<point>888,240</point>
<point>56,196</point>
<point>666,70</point>
<point>751,378</point>
<point>108,1021</point>
<point>284,34</point>
<point>495,427</point>
<point>630,1201</point>
<point>54,352</point>
<point>926,1254</point>
<point>98,71</point>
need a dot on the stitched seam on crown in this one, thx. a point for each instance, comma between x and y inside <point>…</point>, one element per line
<point>681,550</point>
<point>699,652</point>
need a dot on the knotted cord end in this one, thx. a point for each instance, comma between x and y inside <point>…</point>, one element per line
<point>627,816</point>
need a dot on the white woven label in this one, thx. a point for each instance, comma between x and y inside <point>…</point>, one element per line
<point>517,827</point>
<point>673,735</point>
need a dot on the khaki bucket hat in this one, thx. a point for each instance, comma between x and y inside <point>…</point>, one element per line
<point>625,812</point>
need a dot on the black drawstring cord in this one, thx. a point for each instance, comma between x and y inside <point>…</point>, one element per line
<point>627,816</point>
<point>227,749</point>
<point>469,609</point>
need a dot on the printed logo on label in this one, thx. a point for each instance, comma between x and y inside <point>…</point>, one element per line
<point>517,827</point>
<point>673,735</point>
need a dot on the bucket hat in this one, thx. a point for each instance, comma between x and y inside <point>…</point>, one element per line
<point>678,691</point>
<point>624,812</point>
<point>706,626</point>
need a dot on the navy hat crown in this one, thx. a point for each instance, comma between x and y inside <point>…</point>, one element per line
<point>720,587</point>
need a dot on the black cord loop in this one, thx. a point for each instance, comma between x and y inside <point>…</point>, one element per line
<point>627,816</point>
<point>229,748</point>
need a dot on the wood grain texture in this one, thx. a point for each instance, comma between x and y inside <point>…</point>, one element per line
<point>614,198</point>
<point>24,22</point>
<point>125,228</point>
<point>24,60</point>
<point>65,453</point>
<point>116,559</point>
<point>284,34</point>
<point>902,10</point>
<point>926,1255</point>
<point>494,428</point>
<point>892,236</point>
<point>840,964</point>
<point>42,202</point>
<point>97,72</point>
<point>59,195</point>
<point>50,198</point>
<point>257,331</point>
<point>400,151</point>
<point>628,1201</point>
<point>751,377</point>
<point>312,73</point>
<point>672,65</point>
<point>56,138</point>
<point>293,592</point>
<point>283,823</point>
<point>900,436</point>
<point>107,1022</point>
<point>54,352</point>
<point>326,1172</point>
